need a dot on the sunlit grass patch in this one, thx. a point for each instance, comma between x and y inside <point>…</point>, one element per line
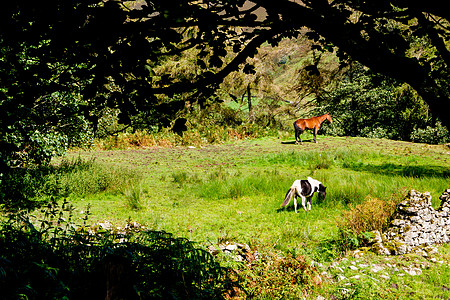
<point>234,191</point>
<point>83,177</point>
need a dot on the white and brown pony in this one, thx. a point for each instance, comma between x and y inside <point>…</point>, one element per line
<point>305,189</point>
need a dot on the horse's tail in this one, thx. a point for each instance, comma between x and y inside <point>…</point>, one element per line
<point>288,197</point>
<point>296,127</point>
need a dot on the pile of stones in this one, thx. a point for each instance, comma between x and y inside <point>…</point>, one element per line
<point>416,226</point>
<point>237,251</point>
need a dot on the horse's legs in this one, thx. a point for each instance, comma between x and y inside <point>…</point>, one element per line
<point>315,134</point>
<point>309,202</point>
<point>295,203</point>
<point>303,203</point>
<point>297,135</point>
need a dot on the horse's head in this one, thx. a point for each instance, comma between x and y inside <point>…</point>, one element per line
<point>329,118</point>
<point>322,191</point>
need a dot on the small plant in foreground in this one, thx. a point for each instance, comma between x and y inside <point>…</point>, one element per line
<point>51,257</point>
<point>133,196</point>
<point>289,277</point>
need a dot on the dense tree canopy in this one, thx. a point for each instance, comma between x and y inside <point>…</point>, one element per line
<point>62,62</point>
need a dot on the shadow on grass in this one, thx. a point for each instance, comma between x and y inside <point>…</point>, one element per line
<point>28,188</point>
<point>285,209</point>
<point>418,171</point>
<point>293,142</point>
<point>291,208</point>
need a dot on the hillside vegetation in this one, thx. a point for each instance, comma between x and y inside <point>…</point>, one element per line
<point>232,193</point>
<point>150,160</point>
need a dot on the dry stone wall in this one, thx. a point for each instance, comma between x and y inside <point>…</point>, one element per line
<point>416,226</point>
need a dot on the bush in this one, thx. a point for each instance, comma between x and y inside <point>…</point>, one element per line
<point>53,258</point>
<point>375,133</point>
<point>431,135</point>
<point>372,105</point>
<point>373,214</point>
<point>289,277</point>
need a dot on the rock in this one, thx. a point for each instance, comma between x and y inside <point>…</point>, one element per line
<point>398,222</point>
<point>105,225</point>
<point>213,250</point>
<point>232,247</point>
<point>357,253</point>
<point>340,277</point>
<point>380,249</point>
<point>239,252</point>
<point>376,268</point>
<point>413,271</point>
<point>416,224</point>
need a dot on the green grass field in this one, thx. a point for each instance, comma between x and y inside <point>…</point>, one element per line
<point>233,192</point>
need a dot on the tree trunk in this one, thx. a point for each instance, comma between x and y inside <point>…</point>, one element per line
<point>249,98</point>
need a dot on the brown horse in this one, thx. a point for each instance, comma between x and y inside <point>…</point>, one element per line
<point>312,123</point>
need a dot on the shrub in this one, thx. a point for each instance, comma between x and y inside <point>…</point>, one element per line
<point>431,135</point>
<point>279,277</point>
<point>53,258</point>
<point>367,104</point>
<point>375,133</point>
<point>372,214</point>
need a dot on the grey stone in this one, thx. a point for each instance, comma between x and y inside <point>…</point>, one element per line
<point>415,224</point>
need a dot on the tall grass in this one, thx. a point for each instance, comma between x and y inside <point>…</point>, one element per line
<point>315,159</point>
<point>222,185</point>
<point>240,201</point>
<point>134,196</point>
<point>23,188</point>
<point>352,174</point>
<point>83,177</point>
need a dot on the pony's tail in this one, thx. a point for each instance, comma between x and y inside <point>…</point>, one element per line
<point>288,197</point>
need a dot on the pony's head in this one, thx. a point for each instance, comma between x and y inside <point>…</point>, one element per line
<point>322,191</point>
<point>329,118</point>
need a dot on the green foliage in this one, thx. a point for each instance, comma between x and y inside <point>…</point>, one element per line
<point>147,74</point>
<point>370,105</point>
<point>289,277</point>
<point>35,135</point>
<point>431,135</point>
<point>27,187</point>
<point>51,256</point>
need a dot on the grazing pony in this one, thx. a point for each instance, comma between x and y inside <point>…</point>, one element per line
<point>312,123</point>
<point>305,189</point>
